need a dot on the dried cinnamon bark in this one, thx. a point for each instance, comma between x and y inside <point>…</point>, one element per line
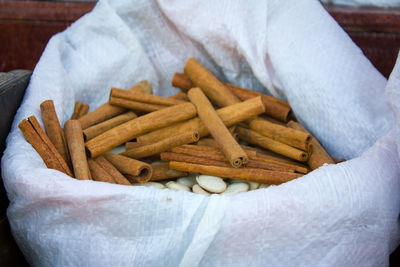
<point>161,146</point>
<point>230,115</point>
<point>54,130</point>
<point>248,174</point>
<point>98,173</point>
<point>135,105</point>
<point>109,168</point>
<point>255,138</point>
<point>83,110</point>
<point>133,128</point>
<point>161,171</point>
<point>133,170</point>
<point>35,135</point>
<point>76,147</point>
<point>104,126</point>
<point>180,96</point>
<point>274,107</point>
<point>228,145</point>
<point>318,156</point>
<point>144,98</point>
<point>77,108</point>
<point>282,134</point>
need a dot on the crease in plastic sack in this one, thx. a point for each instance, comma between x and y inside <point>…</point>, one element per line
<point>338,215</point>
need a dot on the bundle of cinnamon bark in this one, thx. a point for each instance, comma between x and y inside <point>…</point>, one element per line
<point>209,127</point>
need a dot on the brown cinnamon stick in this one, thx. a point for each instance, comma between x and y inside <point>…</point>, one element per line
<point>255,138</point>
<point>76,147</point>
<point>107,111</point>
<point>248,174</point>
<point>228,145</point>
<point>133,128</point>
<point>134,170</point>
<point>230,115</point>
<point>77,108</point>
<point>281,133</point>
<point>54,130</point>
<point>104,126</point>
<point>98,173</point>
<point>215,90</point>
<point>274,107</point>
<point>109,168</point>
<point>161,171</point>
<point>143,86</point>
<point>83,110</point>
<point>318,156</point>
<point>135,105</point>
<point>180,96</point>
<point>144,98</point>
<point>35,135</point>
<point>161,146</point>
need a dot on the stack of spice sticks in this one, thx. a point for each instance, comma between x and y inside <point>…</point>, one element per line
<point>208,132</point>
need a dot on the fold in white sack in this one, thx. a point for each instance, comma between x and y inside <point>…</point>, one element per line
<point>338,215</point>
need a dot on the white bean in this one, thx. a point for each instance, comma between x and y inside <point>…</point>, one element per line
<point>236,188</point>
<point>179,187</point>
<point>189,180</point>
<point>198,190</point>
<point>212,184</point>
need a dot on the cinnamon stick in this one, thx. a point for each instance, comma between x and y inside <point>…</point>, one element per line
<point>83,110</point>
<point>98,173</point>
<point>135,105</point>
<point>255,138</point>
<point>180,96</point>
<point>228,145</point>
<point>274,107</point>
<point>104,126</point>
<point>318,156</point>
<point>230,115</point>
<point>215,90</point>
<point>54,130</point>
<point>248,174</point>
<point>144,98</point>
<point>77,108</point>
<point>109,168</point>
<point>141,125</point>
<point>76,147</point>
<point>161,146</point>
<point>161,171</point>
<point>35,135</point>
<point>107,111</point>
<point>135,171</point>
<point>143,86</point>
<point>281,133</point>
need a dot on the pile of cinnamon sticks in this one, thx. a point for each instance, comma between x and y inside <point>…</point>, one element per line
<point>209,128</point>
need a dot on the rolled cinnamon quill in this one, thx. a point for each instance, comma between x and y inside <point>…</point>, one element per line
<point>274,107</point>
<point>318,156</point>
<point>161,171</point>
<point>98,173</point>
<point>161,146</point>
<point>77,108</point>
<point>109,168</point>
<point>35,135</point>
<point>135,105</point>
<point>215,90</point>
<point>83,110</point>
<point>248,174</point>
<point>107,111</point>
<point>141,125</point>
<point>255,138</point>
<point>144,98</point>
<point>76,147</point>
<point>228,145</point>
<point>54,130</point>
<point>230,115</point>
<point>281,133</point>
<point>135,171</point>
<point>180,96</point>
<point>143,86</point>
<point>104,126</point>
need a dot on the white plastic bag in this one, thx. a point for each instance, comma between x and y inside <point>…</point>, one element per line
<point>338,215</point>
